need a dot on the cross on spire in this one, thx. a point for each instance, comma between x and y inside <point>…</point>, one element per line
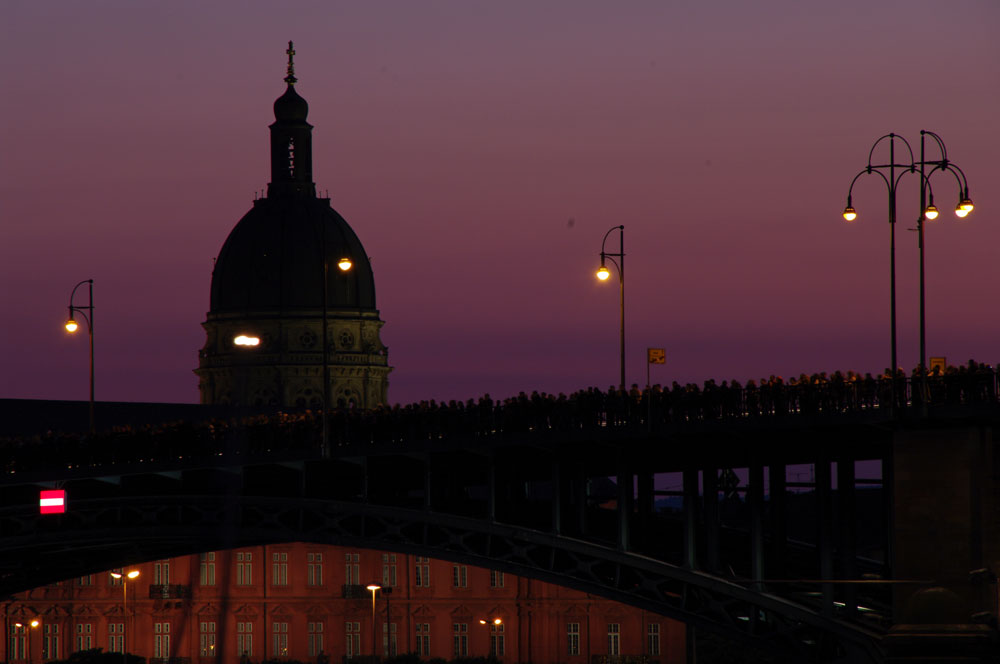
<point>290,78</point>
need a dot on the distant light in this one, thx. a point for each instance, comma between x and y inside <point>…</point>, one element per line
<point>850,214</point>
<point>52,502</point>
<point>133,574</point>
<point>244,340</point>
<point>372,587</point>
<point>497,621</point>
<point>35,623</point>
<point>344,264</point>
<point>931,212</point>
<point>71,325</point>
<point>603,273</point>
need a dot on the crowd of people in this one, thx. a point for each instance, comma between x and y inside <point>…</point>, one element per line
<point>655,410</point>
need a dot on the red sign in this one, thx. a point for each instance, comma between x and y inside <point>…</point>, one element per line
<point>52,502</point>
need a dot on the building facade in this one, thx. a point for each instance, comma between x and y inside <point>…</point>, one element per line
<point>311,603</point>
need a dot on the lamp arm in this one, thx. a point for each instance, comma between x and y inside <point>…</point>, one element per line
<point>891,137</point>
<point>610,231</point>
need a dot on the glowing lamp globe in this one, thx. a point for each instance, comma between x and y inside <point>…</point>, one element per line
<point>603,273</point>
<point>931,212</point>
<point>71,325</point>
<point>964,207</point>
<point>850,214</point>
<point>344,264</point>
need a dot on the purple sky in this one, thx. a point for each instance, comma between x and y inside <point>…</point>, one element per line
<point>481,150</point>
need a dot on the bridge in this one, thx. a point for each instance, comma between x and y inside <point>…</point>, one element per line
<point>684,504</point>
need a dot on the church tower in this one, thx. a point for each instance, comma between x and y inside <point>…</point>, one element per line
<point>293,296</point>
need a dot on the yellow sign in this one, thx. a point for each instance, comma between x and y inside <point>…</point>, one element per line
<point>656,355</point>
<point>938,363</point>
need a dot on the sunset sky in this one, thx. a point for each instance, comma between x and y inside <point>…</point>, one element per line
<point>481,150</point>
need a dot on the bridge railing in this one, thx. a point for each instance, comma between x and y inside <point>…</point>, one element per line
<point>654,411</point>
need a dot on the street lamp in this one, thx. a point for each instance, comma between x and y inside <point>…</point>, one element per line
<point>133,574</point>
<point>603,274</point>
<point>850,214</point>
<point>962,210</point>
<point>72,326</point>
<point>494,624</point>
<point>27,636</point>
<point>373,587</point>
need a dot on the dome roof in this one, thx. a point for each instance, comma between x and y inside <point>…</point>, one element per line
<point>290,107</point>
<point>273,260</point>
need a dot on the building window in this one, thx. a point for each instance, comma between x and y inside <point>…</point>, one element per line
<point>161,640</point>
<point>422,573</point>
<point>352,571</point>
<point>496,640</point>
<point>460,640</point>
<point>206,639</point>
<point>314,569</point>
<point>116,637</point>
<point>279,639</point>
<point>279,569</point>
<point>206,568</point>
<point>496,579</point>
<point>84,636</point>
<point>389,639</point>
<point>614,638</point>
<point>50,641</point>
<point>653,638</point>
<point>161,573</point>
<point>389,569</point>
<point>572,638</point>
<point>460,576</point>
<point>352,643</point>
<point>315,639</point>
<point>85,580</point>
<point>244,568</point>
<point>244,639</point>
<point>424,639</point>
<point>17,644</point>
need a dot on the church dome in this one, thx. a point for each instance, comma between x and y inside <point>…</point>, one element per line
<point>290,107</point>
<point>273,260</point>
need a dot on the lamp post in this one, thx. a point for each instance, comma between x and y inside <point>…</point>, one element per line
<point>603,274</point>
<point>373,587</point>
<point>26,632</point>
<point>72,326</point>
<point>850,214</point>
<point>962,210</point>
<point>927,212</point>
<point>134,574</point>
<point>496,622</point>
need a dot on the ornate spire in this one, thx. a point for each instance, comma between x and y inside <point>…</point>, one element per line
<point>290,78</point>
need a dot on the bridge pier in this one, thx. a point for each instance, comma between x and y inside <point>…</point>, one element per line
<point>945,538</point>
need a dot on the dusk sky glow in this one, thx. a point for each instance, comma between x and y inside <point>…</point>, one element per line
<point>481,150</point>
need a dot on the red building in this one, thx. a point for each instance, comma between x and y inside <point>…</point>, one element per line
<point>311,603</point>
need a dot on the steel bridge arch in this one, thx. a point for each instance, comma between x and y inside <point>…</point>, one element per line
<point>98,534</point>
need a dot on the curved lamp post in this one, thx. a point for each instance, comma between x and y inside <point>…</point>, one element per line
<point>962,210</point>
<point>888,173</point>
<point>72,326</point>
<point>603,274</point>
<point>124,577</point>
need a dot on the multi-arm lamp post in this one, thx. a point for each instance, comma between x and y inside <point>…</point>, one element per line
<point>888,173</point>
<point>72,326</point>
<point>603,274</point>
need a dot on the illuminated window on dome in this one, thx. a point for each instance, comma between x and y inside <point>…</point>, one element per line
<point>291,157</point>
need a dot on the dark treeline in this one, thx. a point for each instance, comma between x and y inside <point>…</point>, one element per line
<point>654,410</point>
